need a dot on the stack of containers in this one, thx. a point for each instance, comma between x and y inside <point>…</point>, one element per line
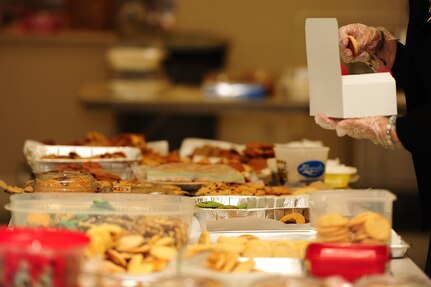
<point>353,232</point>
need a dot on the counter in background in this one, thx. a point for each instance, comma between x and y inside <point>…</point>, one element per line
<point>183,100</point>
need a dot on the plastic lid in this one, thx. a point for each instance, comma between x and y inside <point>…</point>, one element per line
<point>41,238</point>
<point>348,260</point>
<point>119,203</point>
<point>352,194</point>
<point>64,181</point>
<point>347,251</point>
<point>340,169</point>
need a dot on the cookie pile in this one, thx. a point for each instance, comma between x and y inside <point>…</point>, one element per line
<point>370,227</point>
<point>367,227</point>
<point>333,227</point>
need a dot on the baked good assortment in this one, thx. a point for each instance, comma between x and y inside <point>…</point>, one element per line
<point>220,171</point>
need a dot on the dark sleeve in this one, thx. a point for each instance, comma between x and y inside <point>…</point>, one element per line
<point>397,70</point>
<point>413,130</point>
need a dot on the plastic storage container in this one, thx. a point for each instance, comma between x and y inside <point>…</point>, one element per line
<point>189,281</point>
<point>388,280</point>
<point>350,261</point>
<point>359,216</point>
<point>40,257</point>
<point>64,181</point>
<point>42,158</point>
<point>117,224</point>
<point>284,281</point>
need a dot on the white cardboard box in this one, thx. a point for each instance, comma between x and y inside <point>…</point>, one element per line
<point>338,96</point>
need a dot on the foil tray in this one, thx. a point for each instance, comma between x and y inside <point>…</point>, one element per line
<point>270,207</point>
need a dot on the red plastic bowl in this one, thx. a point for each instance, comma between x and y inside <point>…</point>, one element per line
<point>348,260</point>
<point>32,256</point>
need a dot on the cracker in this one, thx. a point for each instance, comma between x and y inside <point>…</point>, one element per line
<point>378,227</point>
<point>360,218</point>
<point>231,262</point>
<point>257,248</point>
<point>163,252</point>
<point>342,238</point>
<point>332,231</point>
<point>249,236</point>
<point>331,219</point>
<point>284,248</point>
<point>204,238</point>
<point>245,266</point>
<point>232,240</point>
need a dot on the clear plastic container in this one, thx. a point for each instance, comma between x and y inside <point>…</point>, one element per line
<point>352,215</point>
<point>126,223</point>
<point>285,281</point>
<point>40,257</point>
<point>189,281</point>
<point>64,181</point>
<point>388,280</point>
<point>42,158</point>
<point>350,202</point>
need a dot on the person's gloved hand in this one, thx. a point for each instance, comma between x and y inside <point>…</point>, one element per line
<point>372,128</point>
<point>326,122</point>
<point>377,46</point>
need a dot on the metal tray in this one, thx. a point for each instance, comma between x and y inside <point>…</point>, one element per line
<point>270,207</point>
<point>398,246</point>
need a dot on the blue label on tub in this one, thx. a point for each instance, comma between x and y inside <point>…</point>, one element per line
<point>311,169</point>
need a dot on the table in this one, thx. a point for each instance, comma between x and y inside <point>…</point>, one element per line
<point>405,265</point>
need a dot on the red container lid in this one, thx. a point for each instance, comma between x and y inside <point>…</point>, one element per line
<point>349,260</point>
<point>43,238</point>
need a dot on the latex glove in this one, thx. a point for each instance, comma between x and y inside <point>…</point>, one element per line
<point>372,128</point>
<point>377,46</point>
<point>326,122</point>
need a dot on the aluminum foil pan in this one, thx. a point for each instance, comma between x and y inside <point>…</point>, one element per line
<point>270,207</point>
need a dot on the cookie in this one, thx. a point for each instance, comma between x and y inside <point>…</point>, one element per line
<point>294,217</point>
<point>378,227</point>
<point>360,219</point>
<point>331,219</point>
<point>284,248</point>
<point>257,248</point>
<point>353,45</point>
